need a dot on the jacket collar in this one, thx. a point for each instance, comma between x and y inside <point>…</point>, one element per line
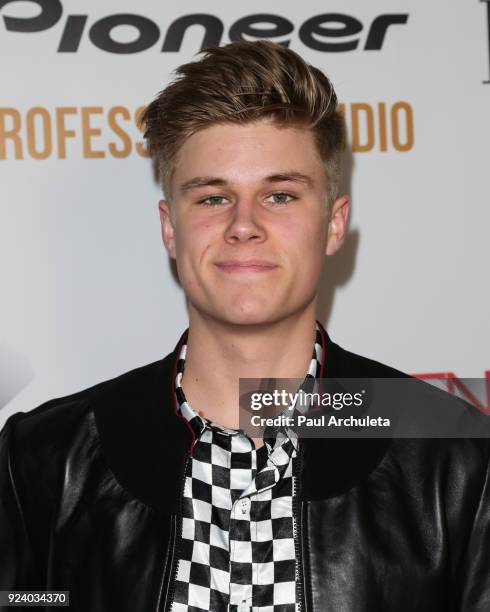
<point>145,440</point>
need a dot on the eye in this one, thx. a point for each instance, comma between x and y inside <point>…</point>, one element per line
<point>282,198</point>
<point>215,200</point>
<point>278,198</point>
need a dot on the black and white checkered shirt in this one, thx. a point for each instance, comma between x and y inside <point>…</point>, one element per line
<point>237,551</point>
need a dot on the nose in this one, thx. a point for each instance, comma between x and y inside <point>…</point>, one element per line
<point>244,224</point>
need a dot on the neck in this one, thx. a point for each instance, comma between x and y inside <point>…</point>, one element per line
<point>220,353</point>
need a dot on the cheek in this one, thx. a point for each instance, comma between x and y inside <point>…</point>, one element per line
<point>303,238</point>
<point>193,239</point>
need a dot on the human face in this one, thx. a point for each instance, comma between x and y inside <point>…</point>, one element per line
<point>248,223</point>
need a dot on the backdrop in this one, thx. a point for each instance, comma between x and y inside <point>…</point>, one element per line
<point>87,289</point>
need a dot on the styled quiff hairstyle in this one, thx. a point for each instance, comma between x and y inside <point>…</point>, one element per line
<point>243,82</point>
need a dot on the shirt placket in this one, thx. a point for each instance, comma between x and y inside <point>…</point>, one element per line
<point>241,595</point>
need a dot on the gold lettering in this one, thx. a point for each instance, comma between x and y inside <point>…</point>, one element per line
<point>43,114</point>
<point>117,129</point>
<point>88,132</point>
<point>395,126</point>
<point>355,110</point>
<point>383,141</point>
<point>61,131</point>
<point>137,119</point>
<point>11,133</point>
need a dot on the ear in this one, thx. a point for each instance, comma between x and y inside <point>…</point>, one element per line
<point>167,227</point>
<point>337,226</point>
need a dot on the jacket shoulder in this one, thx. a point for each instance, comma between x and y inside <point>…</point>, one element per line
<point>348,364</point>
<point>54,419</point>
<point>39,444</point>
<point>466,451</point>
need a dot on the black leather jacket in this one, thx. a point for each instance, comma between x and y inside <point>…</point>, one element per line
<point>90,486</point>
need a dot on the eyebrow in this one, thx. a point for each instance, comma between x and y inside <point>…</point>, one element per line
<point>215,181</point>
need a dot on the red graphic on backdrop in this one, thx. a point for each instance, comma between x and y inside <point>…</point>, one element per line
<point>456,384</point>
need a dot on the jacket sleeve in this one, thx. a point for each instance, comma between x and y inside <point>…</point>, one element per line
<point>473,575</point>
<point>17,565</point>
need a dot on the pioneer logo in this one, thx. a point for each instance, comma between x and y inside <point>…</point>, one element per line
<point>328,32</point>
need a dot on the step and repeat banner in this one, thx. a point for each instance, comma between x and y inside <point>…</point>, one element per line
<point>87,288</point>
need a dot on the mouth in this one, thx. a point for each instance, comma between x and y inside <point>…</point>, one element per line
<point>240,266</point>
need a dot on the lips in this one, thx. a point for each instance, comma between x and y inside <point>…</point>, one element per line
<point>247,265</point>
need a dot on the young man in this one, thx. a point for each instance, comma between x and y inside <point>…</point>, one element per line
<point>143,493</point>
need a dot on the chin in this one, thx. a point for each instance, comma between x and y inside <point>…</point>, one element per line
<point>246,319</point>
<point>252,313</point>
<point>244,307</point>
<point>245,315</point>
<point>243,312</point>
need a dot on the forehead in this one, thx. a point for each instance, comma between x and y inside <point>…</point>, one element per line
<point>247,152</point>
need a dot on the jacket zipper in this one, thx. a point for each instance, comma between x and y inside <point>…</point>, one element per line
<point>168,563</point>
<point>303,530</point>
<point>175,533</point>
<point>298,533</point>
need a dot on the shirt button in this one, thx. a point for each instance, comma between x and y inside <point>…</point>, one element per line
<point>243,607</point>
<point>244,505</point>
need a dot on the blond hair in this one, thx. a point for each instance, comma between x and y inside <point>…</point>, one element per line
<point>242,82</point>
